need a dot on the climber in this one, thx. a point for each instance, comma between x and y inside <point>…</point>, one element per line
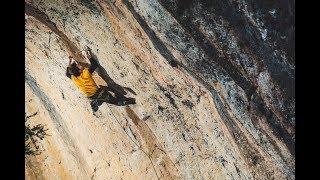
<point>82,77</point>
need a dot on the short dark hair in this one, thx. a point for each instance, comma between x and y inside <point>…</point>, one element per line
<point>74,70</point>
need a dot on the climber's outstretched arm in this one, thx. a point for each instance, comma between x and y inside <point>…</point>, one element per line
<point>93,65</point>
<point>68,68</point>
<point>93,62</point>
<point>70,60</point>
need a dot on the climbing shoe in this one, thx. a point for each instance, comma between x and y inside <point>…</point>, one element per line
<point>121,103</point>
<point>127,101</point>
<point>131,101</point>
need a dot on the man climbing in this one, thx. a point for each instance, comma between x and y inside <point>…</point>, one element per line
<point>82,77</point>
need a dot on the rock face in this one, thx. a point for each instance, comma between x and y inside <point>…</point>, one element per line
<point>213,82</point>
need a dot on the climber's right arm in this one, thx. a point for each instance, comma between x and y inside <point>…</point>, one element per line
<point>94,65</point>
<point>68,68</point>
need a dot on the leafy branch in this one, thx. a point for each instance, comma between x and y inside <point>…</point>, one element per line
<point>32,136</point>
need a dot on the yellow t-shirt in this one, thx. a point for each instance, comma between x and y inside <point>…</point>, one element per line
<point>85,83</point>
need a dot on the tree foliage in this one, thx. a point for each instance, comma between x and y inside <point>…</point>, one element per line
<point>33,134</point>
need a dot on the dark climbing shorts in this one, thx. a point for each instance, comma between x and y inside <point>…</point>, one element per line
<point>102,95</point>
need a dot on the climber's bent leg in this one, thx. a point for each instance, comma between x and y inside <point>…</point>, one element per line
<point>122,101</point>
<point>97,99</point>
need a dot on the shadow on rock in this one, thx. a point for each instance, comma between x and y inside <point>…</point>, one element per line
<point>118,90</point>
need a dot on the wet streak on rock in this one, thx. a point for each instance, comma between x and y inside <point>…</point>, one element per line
<point>158,44</point>
<point>235,131</point>
<point>272,120</point>
<point>57,121</point>
<point>212,53</point>
<point>250,37</point>
<point>204,44</point>
<point>251,155</point>
<point>227,10</point>
<point>167,55</point>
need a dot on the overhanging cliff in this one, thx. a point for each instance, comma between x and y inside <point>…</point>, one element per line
<point>213,82</point>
